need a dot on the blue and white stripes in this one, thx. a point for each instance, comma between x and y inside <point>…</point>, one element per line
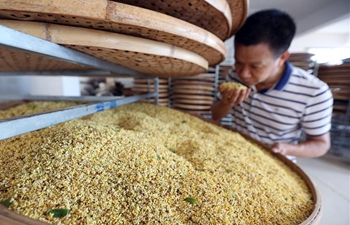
<point>299,101</point>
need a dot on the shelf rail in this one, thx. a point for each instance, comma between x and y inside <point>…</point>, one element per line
<point>24,124</point>
<point>13,39</point>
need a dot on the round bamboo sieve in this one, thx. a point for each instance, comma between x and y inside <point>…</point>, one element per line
<point>12,60</point>
<point>119,18</point>
<point>212,15</point>
<point>8,217</point>
<point>239,12</point>
<point>146,56</point>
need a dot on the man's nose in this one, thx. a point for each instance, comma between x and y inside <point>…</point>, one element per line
<point>244,72</point>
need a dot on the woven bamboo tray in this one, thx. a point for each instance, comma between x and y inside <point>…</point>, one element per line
<point>120,18</point>
<point>12,60</point>
<point>8,217</point>
<point>239,12</point>
<point>212,15</point>
<point>146,56</point>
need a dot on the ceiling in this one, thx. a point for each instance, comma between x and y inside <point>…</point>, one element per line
<point>311,15</point>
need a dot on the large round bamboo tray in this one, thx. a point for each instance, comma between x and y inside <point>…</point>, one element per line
<point>120,18</point>
<point>8,217</point>
<point>12,60</point>
<point>239,12</point>
<point>212,15</point>
<point>146,56</point>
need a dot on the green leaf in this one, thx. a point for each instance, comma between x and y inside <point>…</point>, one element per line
<point>6,202</point>
<point>193,201</point>
<point>173,150</point>
<point>32,105</point>
<point>58,213</point>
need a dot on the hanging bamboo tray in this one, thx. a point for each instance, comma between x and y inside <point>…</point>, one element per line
<point>211,15</point>
<point>239,12</point>
<point>12,60</point>
<point>146,56</point>
<point>120,18</point>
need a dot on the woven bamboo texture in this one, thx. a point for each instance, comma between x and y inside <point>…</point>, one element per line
<point>239,12</point>
<point>120,18</point>
<point>212,15</point>
<point>146,56</point>
<point>11,60</point>
<point>338,79</point>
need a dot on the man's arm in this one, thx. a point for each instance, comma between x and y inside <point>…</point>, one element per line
<point>221,108</point>
<point>313,147</point>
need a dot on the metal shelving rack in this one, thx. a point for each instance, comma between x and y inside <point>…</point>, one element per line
<point>18,41</point>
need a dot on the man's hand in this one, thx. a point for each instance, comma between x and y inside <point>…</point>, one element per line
<point>229,98</point>
<point>314,146</point>
<point>281,148</point>
<point>233,97</point>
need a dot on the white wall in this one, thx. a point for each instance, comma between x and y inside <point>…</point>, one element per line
<point>54,86</point>
<point>10,85</point>
<point>39,85</point>
<point>319,40</point>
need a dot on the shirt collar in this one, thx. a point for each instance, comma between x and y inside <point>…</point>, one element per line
<point>285,77</point>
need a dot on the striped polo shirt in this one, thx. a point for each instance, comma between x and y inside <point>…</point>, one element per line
<point>297,102</point>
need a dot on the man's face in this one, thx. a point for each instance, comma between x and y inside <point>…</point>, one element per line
<point>256,64</point>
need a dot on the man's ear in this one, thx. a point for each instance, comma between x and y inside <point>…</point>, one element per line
<point>284,57</point>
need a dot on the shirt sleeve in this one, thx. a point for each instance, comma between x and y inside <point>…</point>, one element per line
<point>318,112</point>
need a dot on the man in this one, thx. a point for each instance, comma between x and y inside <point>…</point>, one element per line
<point>282,100</point>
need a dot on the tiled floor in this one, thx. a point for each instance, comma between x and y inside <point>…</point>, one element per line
<point>331,177</point>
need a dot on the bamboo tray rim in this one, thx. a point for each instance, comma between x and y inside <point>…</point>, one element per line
<point>68,35</point>
<point>119,13</point>
<point>13,218</point>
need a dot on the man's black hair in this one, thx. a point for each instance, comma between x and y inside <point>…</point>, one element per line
<point>272,26</point>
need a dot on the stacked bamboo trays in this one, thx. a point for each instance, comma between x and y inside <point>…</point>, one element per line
<point>304,61</point>
<point>143,86</point>
<point>145,56</point>
<point>223,18</point>
<point>194,94</point>
<point>172,42</point>
<point>338,79</point>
